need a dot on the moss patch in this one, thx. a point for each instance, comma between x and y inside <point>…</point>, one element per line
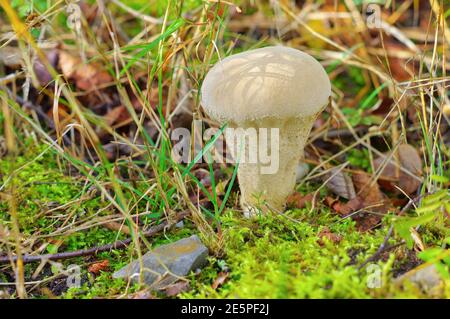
<point>276,257</point>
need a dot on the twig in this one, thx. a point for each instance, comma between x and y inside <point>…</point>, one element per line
<point>380,249</point>
<point>383,247</point>
<point>120,244</point>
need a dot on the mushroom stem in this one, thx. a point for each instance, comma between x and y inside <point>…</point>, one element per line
<point>260,185</point>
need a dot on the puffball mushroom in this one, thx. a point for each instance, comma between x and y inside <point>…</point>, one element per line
<point>272,87</point>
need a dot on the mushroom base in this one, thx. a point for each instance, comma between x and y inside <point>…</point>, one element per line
<point>263,188</point>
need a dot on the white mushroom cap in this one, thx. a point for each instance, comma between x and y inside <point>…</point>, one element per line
<point>271,82</point>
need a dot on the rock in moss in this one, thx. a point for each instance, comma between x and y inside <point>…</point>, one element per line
<point>427,279</point>
<point>164,263</point>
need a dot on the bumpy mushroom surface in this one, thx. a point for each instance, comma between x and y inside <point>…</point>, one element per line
<point>272,87</point>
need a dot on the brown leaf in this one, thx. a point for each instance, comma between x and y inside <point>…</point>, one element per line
<point>330,201</point>
<point>340,183</point>
<point>351,206</point>
<point>370,201</point>
<point>216,9</point>
<point>89,76</point>
<point>374,202</point>
<point>68,63</point>
<point>86,76</point>
<point>143,294</point>
<point>117,115</point>
<point>368,191</point>
<point>42,74</point>
<point>391,176</point>
<point>176,288</point>
<point>298,200</point>
<point>118,227</point>
<point>99,266</point>
<point>11,57</point>
<point>220,280</point>
<point>446,109</point>
<point>325,233</point>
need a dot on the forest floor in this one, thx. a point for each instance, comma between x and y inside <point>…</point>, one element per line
<point>90,93</point>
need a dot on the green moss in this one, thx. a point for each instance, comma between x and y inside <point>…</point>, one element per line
<point>279,258</point>
<point>38,184</point>
<point>270,257</point>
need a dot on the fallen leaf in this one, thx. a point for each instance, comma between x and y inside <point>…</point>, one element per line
<point>11,57</point>
<point>143,294</point>
<point>86,76</point>
<point>340,183</point>
<point>298,200</point>
<point>43,75</point>
<point>89,11</point>
<point>215,10</point>
<point>374,202</point>
<point>391,176</point>
<point>118,227</point>
<point>351,206</point>
<point>68,63</point>
<point>446,109</point>
<point>117,115</point>
<point>220,280</point>
<point>370,201</point>
<point>325,233</point>
<point>176,288</point>
<point>99,266</point>
<point>369,191</point>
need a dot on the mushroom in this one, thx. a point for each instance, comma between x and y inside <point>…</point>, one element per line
<point>269,88</point>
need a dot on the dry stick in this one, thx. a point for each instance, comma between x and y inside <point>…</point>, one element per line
<point>120,244</point>
<point>383,247</point>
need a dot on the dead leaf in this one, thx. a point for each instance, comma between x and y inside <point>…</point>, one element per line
<point>374,202</point>
<point>86,76</point>
<point>330,201</point>
<point>118,227</point>
<point>351,206</point>
<point>117,115</point>
<point>11,57</point>
<point>99,266</point>
<point>367,189</point>
<point>68,63</point>
<point>446,109</point>
<point>370,201</point>
<point>143,294</point>
<point>176,288</point>
<point>43,75</point>
<point>215,9</point>
<point>298,200</point>
<point>220,280</point>
<point>327,234</point>
<point>340,183</point>
<point>391,176</point>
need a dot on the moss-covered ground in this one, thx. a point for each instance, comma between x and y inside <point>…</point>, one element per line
<point>272,256</point>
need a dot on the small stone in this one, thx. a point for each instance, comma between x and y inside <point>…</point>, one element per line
<point>164,263</point>
<point>180,224</point>
<point>427,279</point>
<point>301,171</point>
